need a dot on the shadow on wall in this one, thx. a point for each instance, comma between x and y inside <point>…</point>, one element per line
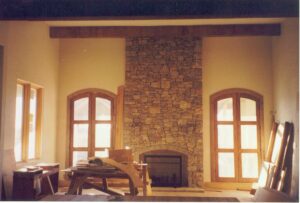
<point>1,130</point>
<point>8,166</point>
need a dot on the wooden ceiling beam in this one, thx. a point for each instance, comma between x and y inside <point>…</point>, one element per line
<point>166,31</point>
<point>145,9</point>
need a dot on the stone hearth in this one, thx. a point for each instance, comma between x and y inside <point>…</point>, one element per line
<point>163,99</point>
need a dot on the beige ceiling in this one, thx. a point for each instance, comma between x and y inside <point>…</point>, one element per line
<point>165,22</point>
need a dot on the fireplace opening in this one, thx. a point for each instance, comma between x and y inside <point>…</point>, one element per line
<point>166,168</point>
<point>164,171</point>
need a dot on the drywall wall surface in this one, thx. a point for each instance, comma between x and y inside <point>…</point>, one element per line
<point>286,86</point>
<point>235,62</point>
<point>32,56</point>
<point>86,63</point>
<point>3,31</point>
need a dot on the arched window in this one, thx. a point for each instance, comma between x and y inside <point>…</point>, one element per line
<point>236,127</point>
<point>92,124</point>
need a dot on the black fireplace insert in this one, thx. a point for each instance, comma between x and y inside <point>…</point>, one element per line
<point>164,170</point>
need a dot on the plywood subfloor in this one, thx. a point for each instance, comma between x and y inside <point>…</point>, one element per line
<point>243,196</point>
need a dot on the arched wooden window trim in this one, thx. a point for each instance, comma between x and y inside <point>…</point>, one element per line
<point>235,93</point>
<point>92,93</point>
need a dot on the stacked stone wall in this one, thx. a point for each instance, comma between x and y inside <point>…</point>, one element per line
<point>163,99</point>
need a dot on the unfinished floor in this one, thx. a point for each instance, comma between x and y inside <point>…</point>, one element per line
<point>242,196</point>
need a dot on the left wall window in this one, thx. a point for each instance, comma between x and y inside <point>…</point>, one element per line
<point>28,121</point>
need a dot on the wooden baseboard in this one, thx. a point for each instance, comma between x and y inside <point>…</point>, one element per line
<point>228,185</point>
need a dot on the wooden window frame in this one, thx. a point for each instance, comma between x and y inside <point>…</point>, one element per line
<point>235,94</point>
<point>92,94</point>
<point>27,86</point>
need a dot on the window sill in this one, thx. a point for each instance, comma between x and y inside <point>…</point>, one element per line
<point>30,162</point>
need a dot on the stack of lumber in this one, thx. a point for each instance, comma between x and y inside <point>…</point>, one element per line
<point>276,169</point>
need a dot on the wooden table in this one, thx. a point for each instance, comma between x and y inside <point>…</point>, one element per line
<point>82,176</point>
<point>137,175</point>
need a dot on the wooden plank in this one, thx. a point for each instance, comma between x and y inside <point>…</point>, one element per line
<point>228,185</point>
<point>121,155</point>
<point>166,31</point>
<point>287,165</point>
<point>271,142</point>
<point>145,9</point>
<point>128,169</point>
<point>280,161</point>
<point>146,181</point>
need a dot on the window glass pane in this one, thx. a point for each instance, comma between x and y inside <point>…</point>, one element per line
<point>249,165</point>
<point>19,123</point>
<point>103,135</point>
<point>248,109</point>
<point>81,109</point>
<point>225,136</point>
<point>32,123</point>
<point>80,132</point>
<point>79,155</point>
<point>226,164</point>
<point>102,154</point>
<point>225,110</point>
<point>248,136</point>
<point>103,109</point>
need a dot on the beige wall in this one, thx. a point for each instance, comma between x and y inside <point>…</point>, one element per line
<point>86,63</point>
<point>235,62</point>
<point>30,54</point>
<point>228,62</point>
<point>286,85</point>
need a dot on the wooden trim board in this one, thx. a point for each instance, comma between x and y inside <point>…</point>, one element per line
<point>228,185</point>
<point>166,31</point>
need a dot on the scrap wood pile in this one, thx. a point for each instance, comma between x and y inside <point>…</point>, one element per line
<point>276,169</point>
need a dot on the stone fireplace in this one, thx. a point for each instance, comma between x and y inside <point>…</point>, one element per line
<point>163,100</point>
